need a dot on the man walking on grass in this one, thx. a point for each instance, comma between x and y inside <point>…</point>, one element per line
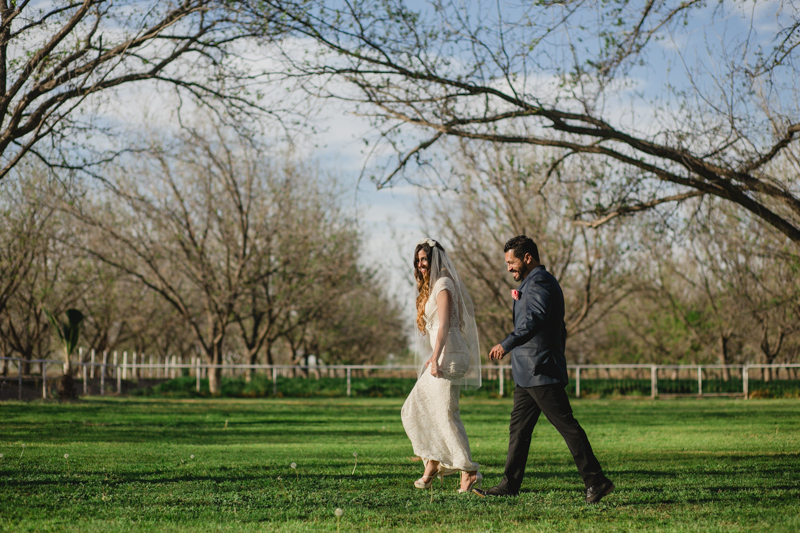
<point>540,373</point>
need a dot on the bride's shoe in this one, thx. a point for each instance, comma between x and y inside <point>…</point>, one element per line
<point>474,485</point>
<point>422,484</point>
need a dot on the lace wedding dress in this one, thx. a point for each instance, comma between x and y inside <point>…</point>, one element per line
<point>431,414</point>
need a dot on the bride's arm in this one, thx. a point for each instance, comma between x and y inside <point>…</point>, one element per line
<point>443,302</point>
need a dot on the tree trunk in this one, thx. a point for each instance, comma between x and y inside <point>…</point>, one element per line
<point>215,373</point>
<point>270,361</point>
<point>252,357</point>
<point>302,363</point>
<point>5,352</point>
<point>67,365</point>
<point>771,352</point>
<point>66,385</point>
<point>723,356</point>
<point>214,380</point>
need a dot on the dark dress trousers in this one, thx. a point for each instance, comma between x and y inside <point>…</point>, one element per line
<point>540,373</point>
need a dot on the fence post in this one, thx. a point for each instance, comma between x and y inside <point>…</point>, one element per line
<point>699,380</point>
<point>116,373</point>
<point>746,382</point>
<point>348,381</point>
<point>103,374</point>
<point>19,376</point>
<point>502,379</point>
<point>653,382</point>
<point>577,382</point>
<point>274,381</point>
<point>133,369</point>
<point>91,370</point>
<point>44,381</point>
<point>85,381</point>
<point>125,365</point>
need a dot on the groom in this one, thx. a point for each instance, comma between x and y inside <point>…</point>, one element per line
<point>540,373</point>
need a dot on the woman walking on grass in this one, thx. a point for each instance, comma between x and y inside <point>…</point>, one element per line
<point>431,413</point>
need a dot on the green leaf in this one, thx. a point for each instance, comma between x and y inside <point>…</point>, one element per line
<point>55,324</point>
<point>69,331</point>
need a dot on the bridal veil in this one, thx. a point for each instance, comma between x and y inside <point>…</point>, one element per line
<point>441,266</point>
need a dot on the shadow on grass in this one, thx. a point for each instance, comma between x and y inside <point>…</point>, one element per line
<point>193,434</point>
<point>189,423</point>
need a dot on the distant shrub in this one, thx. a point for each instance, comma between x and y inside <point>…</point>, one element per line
<point>261,386</point>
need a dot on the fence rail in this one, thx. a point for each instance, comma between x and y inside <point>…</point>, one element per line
<point>170,368</point>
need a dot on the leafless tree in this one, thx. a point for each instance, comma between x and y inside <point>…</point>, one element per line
<point>24,222</point>
<point>38,274</point>
<point>360,326</point>
<point>231,240</point>
<point>720,288</point>
<point>185,234</point>
<point>720,112</point>
<point>502,191</point>
<point>122,314</point>
<point>305,253</point>
<point>58,58</point>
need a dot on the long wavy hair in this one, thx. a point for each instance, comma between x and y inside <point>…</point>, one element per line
<point>423,282</point>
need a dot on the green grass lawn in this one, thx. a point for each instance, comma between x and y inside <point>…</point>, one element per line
<point>679,465</point>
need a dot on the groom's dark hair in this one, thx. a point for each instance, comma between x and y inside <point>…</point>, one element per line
<point>522,245</point>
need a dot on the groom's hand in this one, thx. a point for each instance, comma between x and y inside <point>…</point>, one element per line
<point>496,353</point>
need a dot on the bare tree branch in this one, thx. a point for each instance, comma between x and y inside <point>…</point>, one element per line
<point>625,210</point>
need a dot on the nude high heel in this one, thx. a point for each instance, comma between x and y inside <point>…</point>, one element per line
<point>474,485</point>
<point>422,484</point>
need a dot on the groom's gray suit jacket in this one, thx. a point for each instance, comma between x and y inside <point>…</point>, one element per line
<point>537,342</point>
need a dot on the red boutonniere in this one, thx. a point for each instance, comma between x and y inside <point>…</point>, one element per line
<point>515,294</point>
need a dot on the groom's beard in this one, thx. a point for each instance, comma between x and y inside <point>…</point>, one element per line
<point>519,275</point>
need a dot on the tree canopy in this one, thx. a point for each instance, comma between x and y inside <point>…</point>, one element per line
<point>58,58</point>
<point>684,98</point>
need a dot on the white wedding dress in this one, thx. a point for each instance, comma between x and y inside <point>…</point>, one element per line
<point>430,414</point>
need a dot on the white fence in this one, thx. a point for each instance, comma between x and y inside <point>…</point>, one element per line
<point>698,370</point>
<point>120,369</point>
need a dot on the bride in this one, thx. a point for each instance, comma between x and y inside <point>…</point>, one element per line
<point>430,414</point>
